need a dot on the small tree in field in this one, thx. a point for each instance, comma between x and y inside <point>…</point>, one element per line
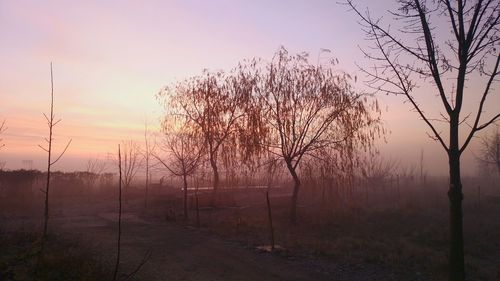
<point>131,162</point>
<point>3,128</point>
<point>51,123</point>
<point>490,151</point>
<point>447,45</point>
<point>149,149</point>
<point>118,246</point>
<point>184,153</point>
<point>95,167</point>
<point>307,108</point>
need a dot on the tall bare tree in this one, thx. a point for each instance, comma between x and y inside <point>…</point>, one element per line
<point>308,108</point>
<point>51,123</point>
<point>131,162</point>
<point>449,44</point>
<point>184,153</point>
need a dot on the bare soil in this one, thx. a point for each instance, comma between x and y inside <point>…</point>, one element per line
<point>398,238</point>
<point>180,252</point>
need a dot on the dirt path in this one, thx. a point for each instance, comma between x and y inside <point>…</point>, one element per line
<point>181,253</point>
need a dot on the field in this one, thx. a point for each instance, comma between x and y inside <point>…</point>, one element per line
<point>396,231</point>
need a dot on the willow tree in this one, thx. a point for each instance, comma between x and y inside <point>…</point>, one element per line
<point>450,46</point>
<point>308,108</point>
<point>212,109</point>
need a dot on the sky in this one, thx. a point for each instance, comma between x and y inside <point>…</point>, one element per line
<point>110,59</point>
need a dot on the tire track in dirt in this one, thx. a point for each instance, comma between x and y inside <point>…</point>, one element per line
<point>179,253</point>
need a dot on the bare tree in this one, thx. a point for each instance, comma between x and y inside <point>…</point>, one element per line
<point>185,152</point>
<point>118,246</point>
<point>308,108</point>
<point>115,272</point>
<point>149,149</point>
<point>3,128</point>
<point>131,162</point>
<point>490,151</point>
<point>419,47</point>
<point>95,167</point>
<point>51,123</point>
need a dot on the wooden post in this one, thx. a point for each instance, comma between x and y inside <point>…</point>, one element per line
<point>479,198</point>
<point>270,218</point>
<point>399,194</point>
<point>197,205</point>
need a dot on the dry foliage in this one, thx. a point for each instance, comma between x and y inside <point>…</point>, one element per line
<point>311,109</point>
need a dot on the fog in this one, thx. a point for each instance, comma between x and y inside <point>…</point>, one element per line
<point>221,140</point>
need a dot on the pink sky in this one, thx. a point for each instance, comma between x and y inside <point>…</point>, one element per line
<point>112,57</point>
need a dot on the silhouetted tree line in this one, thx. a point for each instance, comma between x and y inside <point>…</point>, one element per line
<point>18,182</point>
<point>29,182</point>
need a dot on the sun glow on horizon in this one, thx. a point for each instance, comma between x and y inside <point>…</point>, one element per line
<point>111,60</point>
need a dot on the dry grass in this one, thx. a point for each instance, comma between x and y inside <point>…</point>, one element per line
<point>411,236</point>
<point>404,232</point>
<point>64,260</point>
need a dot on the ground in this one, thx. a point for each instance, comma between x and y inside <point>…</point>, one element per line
<point>181,252</point>
<point>403,240</point>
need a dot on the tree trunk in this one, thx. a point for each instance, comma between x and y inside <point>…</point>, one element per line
<point>215,182</point>
<point>296,186</point>
<point>197,210</point>
<point>47,188</point>
<point>117,264</point>
<point>184,178</point>
<point>270,218</point>
<point>497,141</point>
<point>147,186</point>
<point>455,196</point>
<point>46,212</point>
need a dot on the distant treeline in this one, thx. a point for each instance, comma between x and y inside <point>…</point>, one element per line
<point>29,182</point>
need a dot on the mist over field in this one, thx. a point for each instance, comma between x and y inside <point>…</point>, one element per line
<point>221,140</point>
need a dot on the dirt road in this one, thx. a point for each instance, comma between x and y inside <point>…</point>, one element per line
<point>179,253</point>
<point>182,253</point>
